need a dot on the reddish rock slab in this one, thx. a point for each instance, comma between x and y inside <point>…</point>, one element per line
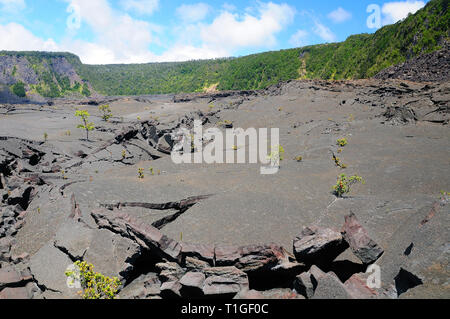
<point>251,258</point>
<point>357,287</point>
<point>366,249</point>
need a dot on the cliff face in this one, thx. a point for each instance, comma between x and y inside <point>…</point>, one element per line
<point>32,75</point>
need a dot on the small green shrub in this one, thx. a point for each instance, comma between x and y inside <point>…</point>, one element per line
<point>141,173</point>
<point>94,285</point>
<point>344,184</point>
<point>342,142</point>
<point>106,111</point>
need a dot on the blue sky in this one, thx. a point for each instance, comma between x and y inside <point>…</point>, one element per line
<point>139,31</point>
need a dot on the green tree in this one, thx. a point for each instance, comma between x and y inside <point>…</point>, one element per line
<point>87,126</point>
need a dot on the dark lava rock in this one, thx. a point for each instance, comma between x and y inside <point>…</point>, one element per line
<point>400,115</point>
<point>431,67</point>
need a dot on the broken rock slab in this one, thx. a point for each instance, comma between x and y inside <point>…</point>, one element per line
<point>317,245</point>
<point>48,267</point>
<point>365,248</point>
<point>147,236</point>
<point>330,287</point>
<point>112,254</point>
<point>146,286</point>
<point>74,238</point>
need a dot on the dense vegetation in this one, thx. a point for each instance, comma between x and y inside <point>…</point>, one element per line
<point>360,56</point>
<point>19,89</point>
<point>49,82</point>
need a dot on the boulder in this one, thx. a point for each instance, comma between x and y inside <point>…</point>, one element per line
<point>303,284</point>
<point>165,144</point>
<point>366,249</point>
<point>146,286</point>
<point>192,284</point>
<point>330,287</point>
<point>317,245</point>
<point>224,281</point>
<point>170,271</point>
<point>357,287</point>
<point>194,264</point>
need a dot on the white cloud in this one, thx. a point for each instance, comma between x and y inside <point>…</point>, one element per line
<point>193,12</point>
<point>339,15</point>
<point>119,38</point>
<point>324,32</point>
<point>180,52</point>
<point>396,11</point>
<point>14,37</point>
<point>140,6</point>
<point>298,39</point>
<point>231,31</point>
<point>12,5</point>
